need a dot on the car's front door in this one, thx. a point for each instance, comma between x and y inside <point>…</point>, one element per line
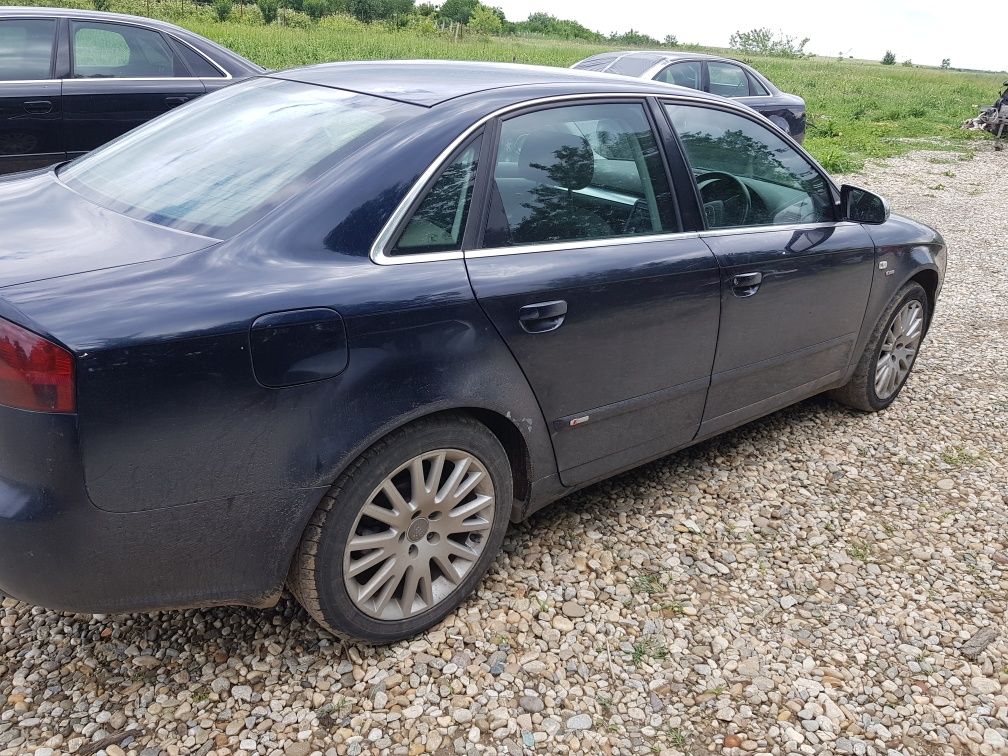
<point>121,76</point>
<point>611,311</point>
<point>795,282</point>
<point>30,96</point>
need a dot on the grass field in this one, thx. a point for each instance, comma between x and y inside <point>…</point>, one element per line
<point>857,109</point>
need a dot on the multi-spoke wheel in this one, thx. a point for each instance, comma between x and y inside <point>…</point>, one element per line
<point>890,353</point>
<point>407,532</point>
<point>899,348</point>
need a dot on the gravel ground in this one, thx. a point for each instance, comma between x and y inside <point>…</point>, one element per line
<point>820,581</point>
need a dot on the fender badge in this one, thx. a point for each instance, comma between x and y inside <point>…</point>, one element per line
<point>883,265</point>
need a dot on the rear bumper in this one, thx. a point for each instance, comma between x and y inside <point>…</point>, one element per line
<point>60,551</point>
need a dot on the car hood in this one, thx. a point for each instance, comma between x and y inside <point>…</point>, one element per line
<point>51,231</point>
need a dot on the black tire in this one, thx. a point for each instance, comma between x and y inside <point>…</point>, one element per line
<point>317,573</point>
<point>859,393</point>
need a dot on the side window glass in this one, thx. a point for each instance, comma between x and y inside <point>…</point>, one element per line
<point>26,48</point>
<point>439,221</point>
<point>117,51</point>
<point>755,88</point>
<point>578,172</point>
<point>746,174</point>
<point>685,74</point>
<point>196,63</point>
<point>727,80</point>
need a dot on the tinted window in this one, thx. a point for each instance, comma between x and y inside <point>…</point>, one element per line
<point>755,88</point>
<point>727,80</point>
<point>438,223</point>
<point>26,48</point>
<point>223,161</point>
<point>579,172</point>
<point>196,63</point>
<point>103,51</point>
<point>596,62</point>
<point>634,65</point>
<point>685,74</point>
<point>768,182</point>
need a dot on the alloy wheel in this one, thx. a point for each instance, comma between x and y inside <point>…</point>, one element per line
<point>899,347</point>
<point>418,534</point>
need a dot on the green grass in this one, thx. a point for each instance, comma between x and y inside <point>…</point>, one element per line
<point>856,109</point>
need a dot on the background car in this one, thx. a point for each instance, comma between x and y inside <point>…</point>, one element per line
<point>709,73</point>
<point>337,326</point>
<point>72,80</point>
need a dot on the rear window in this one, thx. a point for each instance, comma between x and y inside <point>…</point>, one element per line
<point>220,163</point>
<point>635,65</point>
<point>596,62</point>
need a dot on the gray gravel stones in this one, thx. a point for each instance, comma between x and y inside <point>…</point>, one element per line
<point>820,581</point>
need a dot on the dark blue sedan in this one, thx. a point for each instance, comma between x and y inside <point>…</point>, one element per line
<point>709,73</point>
<point>71,80</point>
<point>336,327</point>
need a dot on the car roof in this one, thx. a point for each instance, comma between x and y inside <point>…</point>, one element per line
<point>431,82</point>
<point>663,54</point>
<point>36,12</point>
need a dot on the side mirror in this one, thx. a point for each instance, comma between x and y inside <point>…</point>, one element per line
<point>861,206</point>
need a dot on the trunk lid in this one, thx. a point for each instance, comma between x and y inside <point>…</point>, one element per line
<point>49,231</point>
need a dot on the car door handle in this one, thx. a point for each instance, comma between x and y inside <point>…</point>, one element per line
<point>173,102</point>
<point>542,317</point>
<point>746,284</point>
<point>40,107</point>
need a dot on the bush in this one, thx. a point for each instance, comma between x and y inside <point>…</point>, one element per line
<point>551,26</point>
<point>485,21</point>
<point>101,5</point>
<point>634,38</point>
<point>889,59</point>
<point>946,63</point>
<point>422,25</point>
<point>293,19</point>
<point>908,62</point>
<point>222,9</point>
<point>763,42</point>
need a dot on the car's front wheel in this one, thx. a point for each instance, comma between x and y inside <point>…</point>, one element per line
<point>890,353</point>
<point>407,532</point>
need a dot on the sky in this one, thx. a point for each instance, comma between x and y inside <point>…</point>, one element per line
<point>971,34</point>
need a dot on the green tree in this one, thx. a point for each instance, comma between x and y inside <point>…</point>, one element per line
<point>764,42</point>
<point>269,9</point>
<point>222,8</point>
<point>485,21</point>
<point>101,5</point>
<point>889,59</point>
<point>671,40</point>
<point>316,8</point>
<point>458,11</point>
<point>946,63</point>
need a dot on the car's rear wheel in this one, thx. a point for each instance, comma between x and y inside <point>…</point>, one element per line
<point>407,532</point>
<point>890,353</point>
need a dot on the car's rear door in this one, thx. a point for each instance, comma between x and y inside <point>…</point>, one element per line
<point>30,96</point>
<point>121,76</point>
<point>795,282</point>
<point>609,308</point>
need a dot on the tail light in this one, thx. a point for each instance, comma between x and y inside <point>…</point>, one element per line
<point>35,374</point>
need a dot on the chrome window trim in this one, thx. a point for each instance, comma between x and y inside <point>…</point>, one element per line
<point>781,227</point>
<point>379,248</point>
<point>580,244</point>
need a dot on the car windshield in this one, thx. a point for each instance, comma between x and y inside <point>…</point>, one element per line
<point>222,162</point>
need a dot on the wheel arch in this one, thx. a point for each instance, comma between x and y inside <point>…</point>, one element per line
<point>928,279</point>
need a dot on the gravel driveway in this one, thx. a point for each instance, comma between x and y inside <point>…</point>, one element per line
<point>820,581</point>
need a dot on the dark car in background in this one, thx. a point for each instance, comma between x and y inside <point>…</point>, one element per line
<point>338,326</point>
<point>72,80</point>
<point>709,73</point>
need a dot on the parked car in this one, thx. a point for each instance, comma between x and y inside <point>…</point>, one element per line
<point>338,326</point>
<point>709,73</point>
<point>72,80</point>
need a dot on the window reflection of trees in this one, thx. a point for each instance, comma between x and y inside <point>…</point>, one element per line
<point>448,201</point>
<point>739,154</point>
